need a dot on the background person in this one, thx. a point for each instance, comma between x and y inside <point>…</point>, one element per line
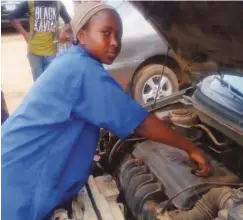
<point>43,31</point>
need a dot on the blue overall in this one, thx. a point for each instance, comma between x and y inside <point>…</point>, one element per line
<point>48,144</point>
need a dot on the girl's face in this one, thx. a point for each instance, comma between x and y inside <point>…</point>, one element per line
<point>102,35</point>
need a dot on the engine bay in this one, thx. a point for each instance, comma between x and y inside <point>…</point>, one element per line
<point>155,180</point>
<point>147,180</point>
<point>153,177</point>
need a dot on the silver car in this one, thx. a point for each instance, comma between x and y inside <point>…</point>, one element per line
<point>140,63</point>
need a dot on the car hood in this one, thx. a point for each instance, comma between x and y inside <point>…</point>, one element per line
<point>200,32</point>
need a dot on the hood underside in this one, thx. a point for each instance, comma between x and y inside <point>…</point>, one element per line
<point>199,31</point>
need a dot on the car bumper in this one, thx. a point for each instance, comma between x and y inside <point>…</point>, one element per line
<point>6,21</point>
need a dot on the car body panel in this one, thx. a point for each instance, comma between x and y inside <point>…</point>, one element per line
<point>139,43</point>
<point>223,98</point>
<point>199,31</point>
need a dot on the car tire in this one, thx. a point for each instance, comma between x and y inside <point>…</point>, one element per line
<point>153,72</point>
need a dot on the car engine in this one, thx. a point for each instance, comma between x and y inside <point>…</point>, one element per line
<point>167,170</point>
<point>157,181</point>
<point>135,178</point>
<point>159,172</point>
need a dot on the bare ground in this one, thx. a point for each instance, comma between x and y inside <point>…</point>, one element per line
<point>16,77</point>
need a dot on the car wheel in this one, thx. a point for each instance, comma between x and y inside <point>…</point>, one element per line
<point>147,81</point>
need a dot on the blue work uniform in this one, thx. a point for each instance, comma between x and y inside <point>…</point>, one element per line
<point>49,143</point>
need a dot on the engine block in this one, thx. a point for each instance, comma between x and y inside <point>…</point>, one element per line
<point>173,170</point>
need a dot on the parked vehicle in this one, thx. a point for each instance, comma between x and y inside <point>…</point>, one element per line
<point>138,179</point>
<point>139,65</point>
<point>7,6</point>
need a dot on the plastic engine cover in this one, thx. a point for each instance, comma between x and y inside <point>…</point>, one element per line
<point>173,169</point>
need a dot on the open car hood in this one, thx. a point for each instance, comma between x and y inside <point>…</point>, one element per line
<point>199,32</point>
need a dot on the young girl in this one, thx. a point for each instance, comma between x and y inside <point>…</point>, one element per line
<point>49,143</point>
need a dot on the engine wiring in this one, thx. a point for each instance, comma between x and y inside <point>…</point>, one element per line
<point>193,187</point>
<point>118,145</point>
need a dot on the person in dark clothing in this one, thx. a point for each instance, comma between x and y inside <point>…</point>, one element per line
<point>49,143</point>
<point>44,34</point>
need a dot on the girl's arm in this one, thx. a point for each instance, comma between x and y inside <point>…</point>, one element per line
<point>154,129</point>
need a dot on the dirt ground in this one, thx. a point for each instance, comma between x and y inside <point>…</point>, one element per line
<point>16,78</point>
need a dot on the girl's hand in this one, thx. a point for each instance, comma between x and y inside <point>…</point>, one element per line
<point>204,165</point>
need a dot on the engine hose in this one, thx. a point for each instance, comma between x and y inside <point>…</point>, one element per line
<point>113,150</point>
<point>146,191</point>
<point>126,166</point>
<point>135,183</point>
<point>118,144</point>
<point>134,171</point>
<point>207,207</point>
<point>214,184</point>
<point>210,134</point>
